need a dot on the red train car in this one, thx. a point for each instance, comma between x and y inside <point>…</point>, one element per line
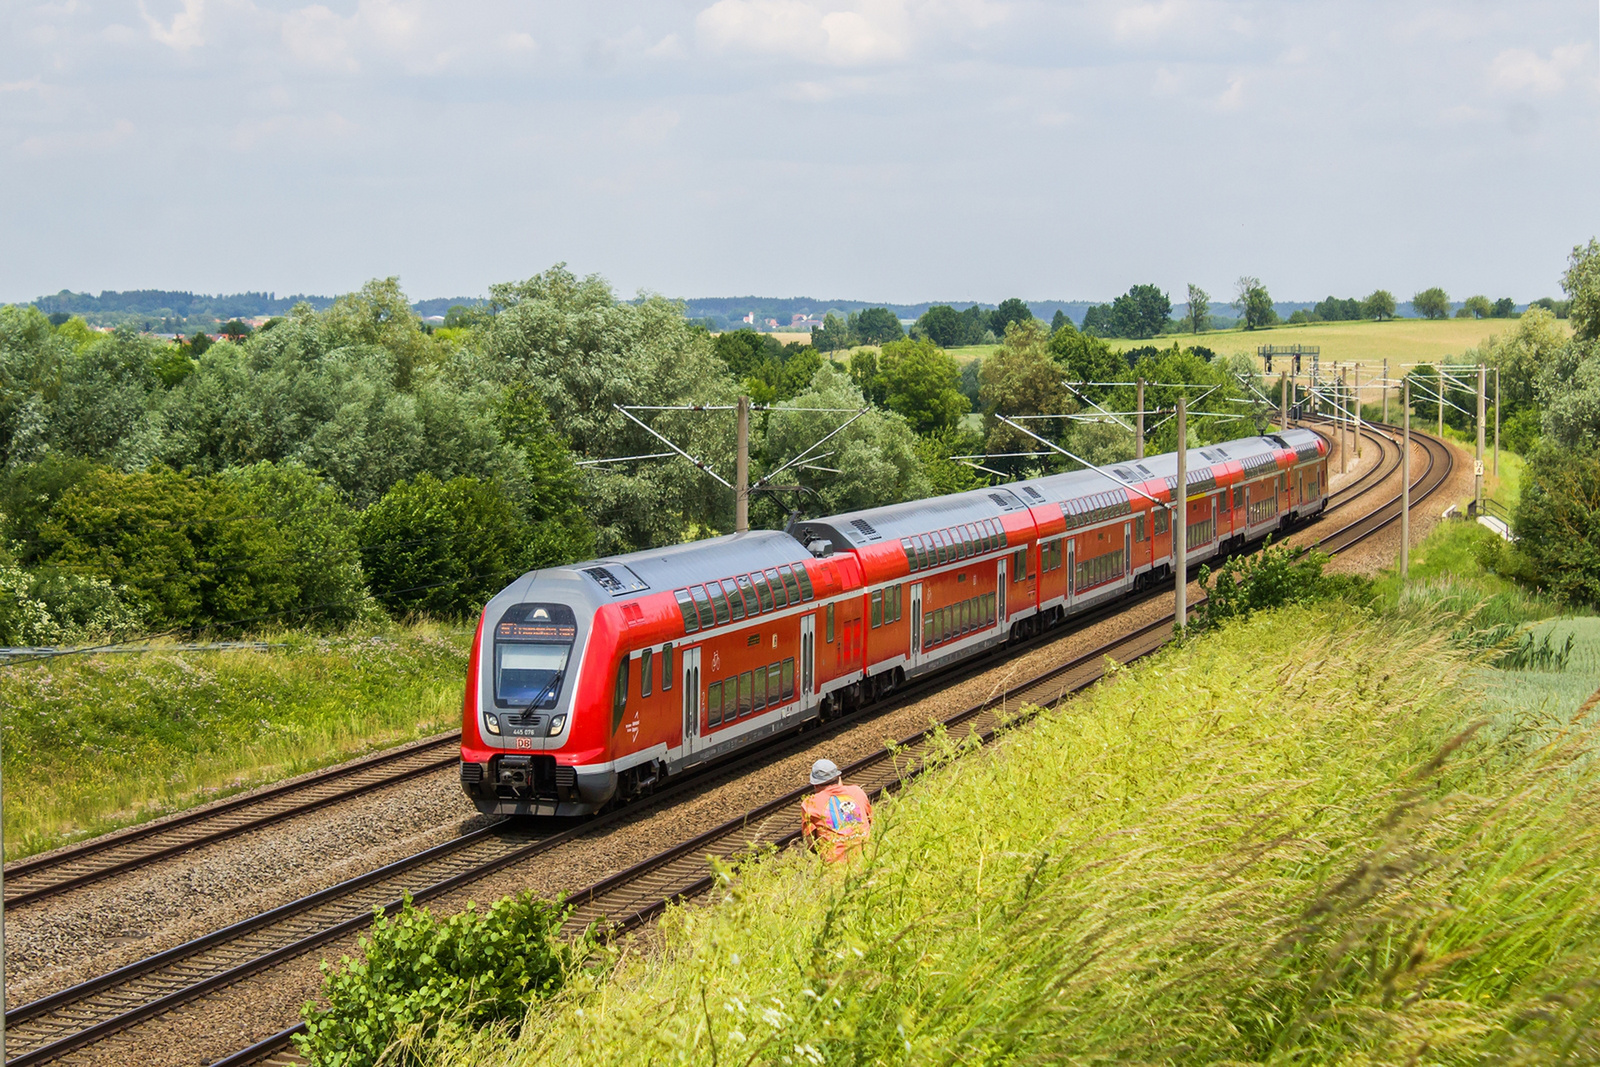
<point>588,684</point>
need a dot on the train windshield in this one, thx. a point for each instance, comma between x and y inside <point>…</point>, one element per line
<point>532,645</point>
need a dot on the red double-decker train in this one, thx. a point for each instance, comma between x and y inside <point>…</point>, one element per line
<point>588,684</point>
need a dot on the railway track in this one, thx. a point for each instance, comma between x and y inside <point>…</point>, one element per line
<point>36,879</point>
<point>55,1026</point>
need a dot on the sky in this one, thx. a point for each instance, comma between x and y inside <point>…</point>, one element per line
<point>897,150</point>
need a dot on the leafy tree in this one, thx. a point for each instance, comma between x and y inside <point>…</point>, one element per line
<point>1199,309</point>
<point>105,405</point>
<point>1254,304</point>
<point>1085,359</point>
<point>317,549</point>
<point>380,315</point>
<point>441,548</point>
<point>545,484</point>
<point>236,330</point>
<point>32,354</point>
<point>1477,306</point>
<point>877,326</point>
<point>876,456</point>
<point>1140,312</point>
<point>1022,378</point>
<point>942,325</point>
<point>922,385</point>
<point>944,474</point>
<point>1582,285</point>
<point>1276,576</point>
<point>1010,310</point>
<point>1504,308</point>
<point>1058,320</point>
<point>1432,303</point>
<point>864,373</point>
<point>1097,321</point>
<point>1558,522</point>
<point>1378,304</point>
<point>1522,355</point>
<point>1334,309</point>
<point>1425,386</point>
<point>582,352</point>
<point>1558,308</point>
<point>832,335</point>
<point>198,344</point>
<point>190,552</point>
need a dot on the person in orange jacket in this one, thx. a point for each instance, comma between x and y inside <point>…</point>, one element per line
<point>836,818</point>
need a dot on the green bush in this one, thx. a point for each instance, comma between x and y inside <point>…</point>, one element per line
<point>423,979</point>
<point>1276,576</point>
<point>442,548</point>
<point>1558,524</point>
<point>188,551</point>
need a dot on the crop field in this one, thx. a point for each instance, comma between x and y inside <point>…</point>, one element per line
<point>100,741</point>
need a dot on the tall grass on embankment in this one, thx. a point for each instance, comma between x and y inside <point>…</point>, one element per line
<point>1306,838</point>
<point>93,742</point>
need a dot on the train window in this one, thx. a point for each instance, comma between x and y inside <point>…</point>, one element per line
<point>719,602</point>
<point>775,583</point>
<point>702,603</point>
<point>804,578</point>
<point>929,634</point>
<point>788,679</point>
<point>947,624</point>
<point>760,681</point>
<point>646,671</point>
<point>963,542</point>
<point>744,694</point>
<point>990,605</point>
<point>735,599</point>
<point>1238,496</point>
<point>974,541</point>
<point>994,534</point>
<point>1019,564</point>
<point>775,684</point>
<point>714,704</point>
<point>897,591</point>
<point>877,608</point>
<point>1138,527</point>
<point>620,698</point>
<point>691,618</point>
<point>1000,532</point>
<point>752,605</point>
<point>1159,520</point>
<point>762,591</point>
<point>791,584</point>
<point>666,666</point>
<point>828,625</point>
<point>952,545</point>
<point>910,551</point>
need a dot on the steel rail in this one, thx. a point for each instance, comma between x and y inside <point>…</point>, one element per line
<point>38,878</point>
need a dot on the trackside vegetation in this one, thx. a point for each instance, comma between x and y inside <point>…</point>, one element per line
<point>1311,835</point>
<point>96,742</point>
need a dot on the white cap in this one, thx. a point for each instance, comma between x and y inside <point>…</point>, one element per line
<point>823,771</point>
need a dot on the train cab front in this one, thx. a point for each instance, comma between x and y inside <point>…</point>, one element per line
<point>525,747</point>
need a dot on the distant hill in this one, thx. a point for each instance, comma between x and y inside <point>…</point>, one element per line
<point>168,310</point>
<point>728,312</point>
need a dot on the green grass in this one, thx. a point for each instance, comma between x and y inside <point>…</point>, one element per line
<point>99,741</point>
<point>1282,843</point>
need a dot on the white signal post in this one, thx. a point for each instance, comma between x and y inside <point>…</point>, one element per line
<point>1180,526</point>
<point>1385,390</point>
<point>1356,403</point>
<point>1405,485</point>
<point>1344,418</point>
<point>1497,422</point>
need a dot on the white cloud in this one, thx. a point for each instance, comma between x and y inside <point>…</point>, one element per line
<point>184,31</point>
<point>31,85</point>
<point>877,31</point>
<point>296,130</point>
<point>83,142</point>
<point>1523,69</point>
<point>316,36</point>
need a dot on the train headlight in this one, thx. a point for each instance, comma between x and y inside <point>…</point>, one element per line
<point>556,723</point>
<point>493,722</point>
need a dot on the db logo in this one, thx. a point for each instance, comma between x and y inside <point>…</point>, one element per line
<point>524,742</point>
<point>774,639</point>
<point>716,661</point>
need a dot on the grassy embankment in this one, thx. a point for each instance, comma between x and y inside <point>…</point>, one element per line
<point>1317,835</point>
<point>99,741</point>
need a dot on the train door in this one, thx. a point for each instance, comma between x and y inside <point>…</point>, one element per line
<point>1216,531</point>
<point>808,661</point>
<point>1000,592</point>
<point>1127,549</point>
<point>1072,570</point>
<point>689,660</point>
<point>916,622</point>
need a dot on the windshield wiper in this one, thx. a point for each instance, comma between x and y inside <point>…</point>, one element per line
<point>553,683</point>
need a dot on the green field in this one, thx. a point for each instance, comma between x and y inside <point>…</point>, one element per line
<point>94,742</point>
<point>1401,341</point>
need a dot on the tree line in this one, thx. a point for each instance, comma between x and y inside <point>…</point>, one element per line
<point>350,463</point>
